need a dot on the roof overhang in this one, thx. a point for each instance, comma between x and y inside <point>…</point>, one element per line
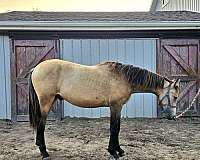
<point>119,25</point>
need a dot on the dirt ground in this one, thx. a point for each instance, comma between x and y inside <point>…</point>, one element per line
<point>87,139</point>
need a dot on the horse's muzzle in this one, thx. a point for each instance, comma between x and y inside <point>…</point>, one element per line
<point>172,113</point>
<point>172,118</point>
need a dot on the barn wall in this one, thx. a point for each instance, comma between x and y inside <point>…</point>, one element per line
<point>176,5</point>
<point>140,52</point>
<point>5,91</point>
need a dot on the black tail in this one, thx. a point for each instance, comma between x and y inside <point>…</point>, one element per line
<point>34,106</point>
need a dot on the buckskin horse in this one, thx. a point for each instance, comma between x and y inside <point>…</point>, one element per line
<point>108,84</point>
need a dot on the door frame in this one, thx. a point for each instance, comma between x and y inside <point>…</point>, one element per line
<point>59,104</point>
<point>184,78</point>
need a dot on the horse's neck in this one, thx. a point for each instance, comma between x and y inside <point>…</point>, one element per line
<point>147,89</point>
<point>140,89</point>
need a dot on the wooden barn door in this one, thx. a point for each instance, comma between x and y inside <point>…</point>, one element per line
<point>180,59</point>
<point>25,56</point>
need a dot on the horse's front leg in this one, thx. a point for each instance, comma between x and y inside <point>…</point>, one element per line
<point>114,146</point>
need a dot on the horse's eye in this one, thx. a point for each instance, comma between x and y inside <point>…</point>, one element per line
<point>175,98</point>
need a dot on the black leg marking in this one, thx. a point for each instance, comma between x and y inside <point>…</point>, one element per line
<point>118,148</point>
<point>114,146</point>
<point>40,140</point>
<point>113,143</point>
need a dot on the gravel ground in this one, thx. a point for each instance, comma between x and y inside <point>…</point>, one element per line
<point>87,139</point>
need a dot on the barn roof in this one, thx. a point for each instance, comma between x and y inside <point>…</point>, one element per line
<point>101,16</point>
<point>56,21</point>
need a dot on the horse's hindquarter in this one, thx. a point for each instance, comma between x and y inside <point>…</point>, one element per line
<point>45,77</point>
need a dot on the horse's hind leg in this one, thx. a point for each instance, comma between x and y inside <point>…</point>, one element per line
<point>45,106</point>
<point>40,140</point>
<point>114,146</point>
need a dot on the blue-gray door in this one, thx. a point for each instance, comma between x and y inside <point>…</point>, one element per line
<point>141,52</point>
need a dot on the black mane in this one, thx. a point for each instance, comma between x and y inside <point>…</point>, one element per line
<point>139,76</point>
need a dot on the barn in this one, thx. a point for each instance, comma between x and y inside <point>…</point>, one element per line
<point>165,42</point>
<point>175,5</point>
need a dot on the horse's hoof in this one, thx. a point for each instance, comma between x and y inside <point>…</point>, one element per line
<point>46,158</point>
<point>113,154</point>
<point>120,151</point>
<point>112,157</point>
<point>121,154</point>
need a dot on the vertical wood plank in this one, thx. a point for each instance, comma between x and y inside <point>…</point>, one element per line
<point>7,52</point>
<point>76,50</point>
<point>5,90</point>
<point>198,71</point>
<point>67,49</point>
<point>183,53</point>
<point>193,62</point>
<point>112,46</point>
<point>139,60</point>
<point>3,106</point>
<point>130,59</point>
<point>13,84</point>
<point>154,69</point>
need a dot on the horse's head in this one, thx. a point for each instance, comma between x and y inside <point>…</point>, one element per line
<point>168,96</point>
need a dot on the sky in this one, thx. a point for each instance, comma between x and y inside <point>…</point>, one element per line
<point>75,5</point>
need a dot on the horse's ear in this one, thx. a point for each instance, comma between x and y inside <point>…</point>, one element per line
<point>177,83</point>
<point>167,82</point>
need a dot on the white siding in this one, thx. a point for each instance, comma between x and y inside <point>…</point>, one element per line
<point>5,84</point>
<point>179,5</point>
<point>140,52</point>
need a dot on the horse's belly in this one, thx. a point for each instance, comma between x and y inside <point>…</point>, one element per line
<point>86,96</point>
<point>86,99</point>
